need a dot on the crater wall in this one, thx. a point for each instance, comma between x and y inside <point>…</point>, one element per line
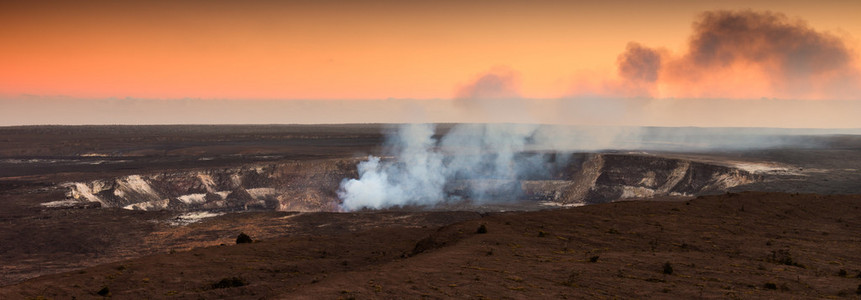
<point>585,178</point>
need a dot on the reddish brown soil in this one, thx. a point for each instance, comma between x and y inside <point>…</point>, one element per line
<point>748,245</point>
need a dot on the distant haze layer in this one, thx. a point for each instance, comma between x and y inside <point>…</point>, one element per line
<point>602,63</point>
<point>572,111</point>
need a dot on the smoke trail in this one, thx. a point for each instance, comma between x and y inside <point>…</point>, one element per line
<point>639,63</point>
<point>639,67</point>
<point>484,162</point>
<point>798,60</point>
<point>742,54</point>
<point>787,48</point>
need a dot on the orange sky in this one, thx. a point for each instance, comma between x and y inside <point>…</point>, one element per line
<point>349,49</point>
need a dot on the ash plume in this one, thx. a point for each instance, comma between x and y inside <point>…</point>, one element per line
<point>639,67</point>
<point>745,54</point>
<point>639,63</point>
<point>482,162</point>
<point>786,48</point>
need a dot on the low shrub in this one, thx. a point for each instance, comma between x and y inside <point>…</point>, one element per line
<point>668,268</point>
<point>243,239</point>
<point>229,283</point>
<point>481,229</point>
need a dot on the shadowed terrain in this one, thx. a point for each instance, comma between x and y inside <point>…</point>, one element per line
<point>154,211</point>
<point>768,245</point>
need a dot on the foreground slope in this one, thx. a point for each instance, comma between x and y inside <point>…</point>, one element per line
<point>747,245</point>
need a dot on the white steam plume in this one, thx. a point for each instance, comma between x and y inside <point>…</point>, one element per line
<point>425,167</point>
<point>485,162</point>
<point>416,179</point>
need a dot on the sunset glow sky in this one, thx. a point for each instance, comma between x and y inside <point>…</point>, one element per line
<point>372,50</point>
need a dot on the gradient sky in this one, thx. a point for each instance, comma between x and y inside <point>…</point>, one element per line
<point>345,49</point>
<point>662,63</point>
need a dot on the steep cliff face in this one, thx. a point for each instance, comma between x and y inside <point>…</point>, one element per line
<point>608,177</point>
<point>294,186</point>
<point>640,176</point>
<point>313,185</point>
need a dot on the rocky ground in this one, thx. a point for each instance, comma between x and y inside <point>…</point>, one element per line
<point>798,237</point>
<point>748,245</point>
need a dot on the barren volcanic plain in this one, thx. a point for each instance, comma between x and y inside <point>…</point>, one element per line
<point>143,212</point>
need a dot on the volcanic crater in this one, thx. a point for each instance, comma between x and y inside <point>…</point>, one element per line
<point>585,178</point>
<point>107,211</point>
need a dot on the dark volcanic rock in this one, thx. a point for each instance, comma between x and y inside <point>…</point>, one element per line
<point>243,239</point>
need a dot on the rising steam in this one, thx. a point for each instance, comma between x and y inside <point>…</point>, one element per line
<point>426,167</point>
<point>417,179</point>
<point>480,156</point>
<point>483,162</point>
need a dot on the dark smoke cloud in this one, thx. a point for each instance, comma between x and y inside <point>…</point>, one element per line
<point>788,48</point>
<point>639,64</point>
<point>730,52</point>
<point>639,69</point>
